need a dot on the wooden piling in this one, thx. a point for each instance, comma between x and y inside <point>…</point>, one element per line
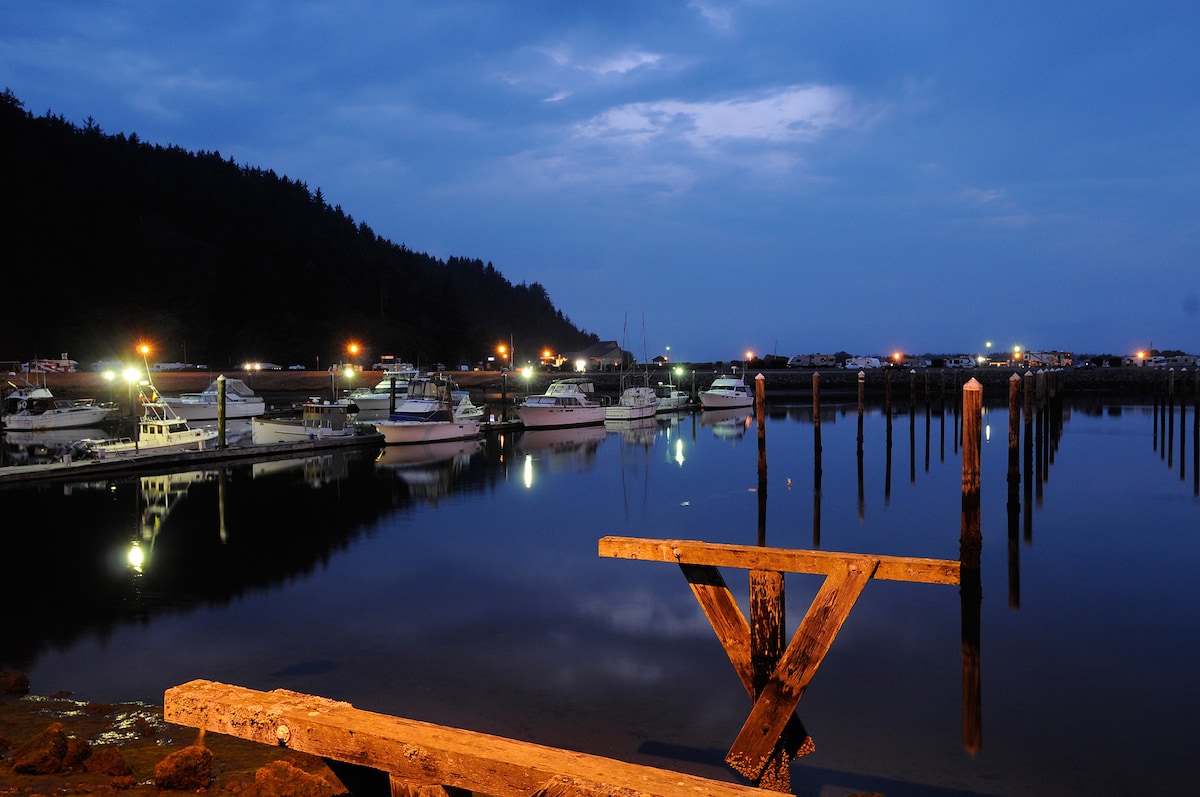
<point>970,550</point>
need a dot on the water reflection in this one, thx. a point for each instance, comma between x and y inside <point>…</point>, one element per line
<point>488,607</point>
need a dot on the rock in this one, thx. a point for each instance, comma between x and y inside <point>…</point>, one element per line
<point>283,779</point>
<point>108,760</point>
<point>185,770</point>
<point>43,754</point>
<point>13,683</point>
<point>78,752</point>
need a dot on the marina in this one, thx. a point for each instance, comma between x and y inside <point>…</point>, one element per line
<point>513,624</point>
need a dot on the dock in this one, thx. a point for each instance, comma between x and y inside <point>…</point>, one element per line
<point>85,469</point>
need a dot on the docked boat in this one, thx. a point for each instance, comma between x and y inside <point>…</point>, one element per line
<point>379,397</point>
<point>727,392</point>
<point>566,402</point>
<point>159,431</point>
<point>428,415</point>
<point>35,408</point>
<point>319,420</point>
<point>426,396</point>
<point>633,403</point>
<point>240,402</point>
<point>671,398</point>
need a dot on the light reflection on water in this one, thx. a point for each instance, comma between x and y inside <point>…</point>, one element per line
<point>463,586</point>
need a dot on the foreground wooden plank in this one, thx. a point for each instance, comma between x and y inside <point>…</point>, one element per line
<point>786,560</point>
<point>420,753</point>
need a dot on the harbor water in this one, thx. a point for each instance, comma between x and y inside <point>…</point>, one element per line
<point>461,584</point>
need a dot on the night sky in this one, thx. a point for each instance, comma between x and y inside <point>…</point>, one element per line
<point>772,176</point>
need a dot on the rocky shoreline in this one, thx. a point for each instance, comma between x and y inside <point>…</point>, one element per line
<point>57,745</point>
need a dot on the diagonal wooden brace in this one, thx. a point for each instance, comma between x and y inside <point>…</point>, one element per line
<point>778,700</point>
<point>733,632</point>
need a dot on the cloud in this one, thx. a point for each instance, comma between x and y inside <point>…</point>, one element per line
<point>794,114</point>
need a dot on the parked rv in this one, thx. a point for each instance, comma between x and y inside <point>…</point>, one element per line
<point>862,362</point>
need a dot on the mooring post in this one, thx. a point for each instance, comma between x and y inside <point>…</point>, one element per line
<point>862,379</point>
<point>221,411</point>
<point>970,547</point>
<point>816,388</point>
<point>1014,491</point>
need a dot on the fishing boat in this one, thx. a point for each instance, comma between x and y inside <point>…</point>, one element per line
<point>35,408</point>
<point>240,402</point>
<point>159,431</point>
<point>319,419</point>
<point>726,392</point>
<point>566,402</point>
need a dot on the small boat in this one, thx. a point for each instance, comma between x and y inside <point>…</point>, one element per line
<point>34,408</point>
<point>427,416</point>
<point>426,396</point>
<point>439,428</point>
<point>159,431</point>
<point>319,420</point>
<point>380,396</point>
<point>240,402</point>
<point>633,403</point>
<point>726,392</point>
<point>671,398</point>
<point>566,402</point>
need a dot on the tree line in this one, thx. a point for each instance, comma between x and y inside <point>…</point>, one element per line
<point>110,240</point>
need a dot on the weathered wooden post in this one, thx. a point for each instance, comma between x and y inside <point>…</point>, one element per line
<point>767,633</point>
<point>816,388</point>
<point>1028,455</point>
<point>862,379</point>
<point>1170,418</point>
<point>912,427</point>
<point>1014,491</point>
<point>221,411</point>
<point>970,546</point>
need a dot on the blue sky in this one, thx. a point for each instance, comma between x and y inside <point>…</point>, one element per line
<point>772,176</point>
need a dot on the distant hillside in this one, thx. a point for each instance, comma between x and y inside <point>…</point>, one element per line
<point>109,240</point>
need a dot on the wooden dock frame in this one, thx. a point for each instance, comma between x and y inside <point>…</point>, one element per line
<point>769,739</point>
<point>379,754</point>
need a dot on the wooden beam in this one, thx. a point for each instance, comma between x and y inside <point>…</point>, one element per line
<point>421,753</point>
<point>733,632</point>
<point>778,699</point>
<point>786,560</point>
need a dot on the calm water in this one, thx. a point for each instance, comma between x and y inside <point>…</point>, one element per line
<point>468,591</point>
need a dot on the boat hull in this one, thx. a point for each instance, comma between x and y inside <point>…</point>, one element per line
<point>73,418</point>
<point>722,401</point>
<point>411,432</point>
<point>266,431</point>
<point>209,410</point>
<point>194,440</point>
<point>557,417</point>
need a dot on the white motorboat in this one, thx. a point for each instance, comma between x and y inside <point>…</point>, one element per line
<point>240,402</point>
<point>34,408</point>
<point>440,428</point>
<point>319,419</point>
<point>727,392</point>
<point>671,398</point>
<point>427,415</point>
<point>566,402</point>
<point>633,403</point>
<point>379,397</point>
<point>159,431</point>
<point>426,396</point>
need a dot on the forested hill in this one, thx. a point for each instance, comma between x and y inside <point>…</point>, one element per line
<point>108,240</point>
